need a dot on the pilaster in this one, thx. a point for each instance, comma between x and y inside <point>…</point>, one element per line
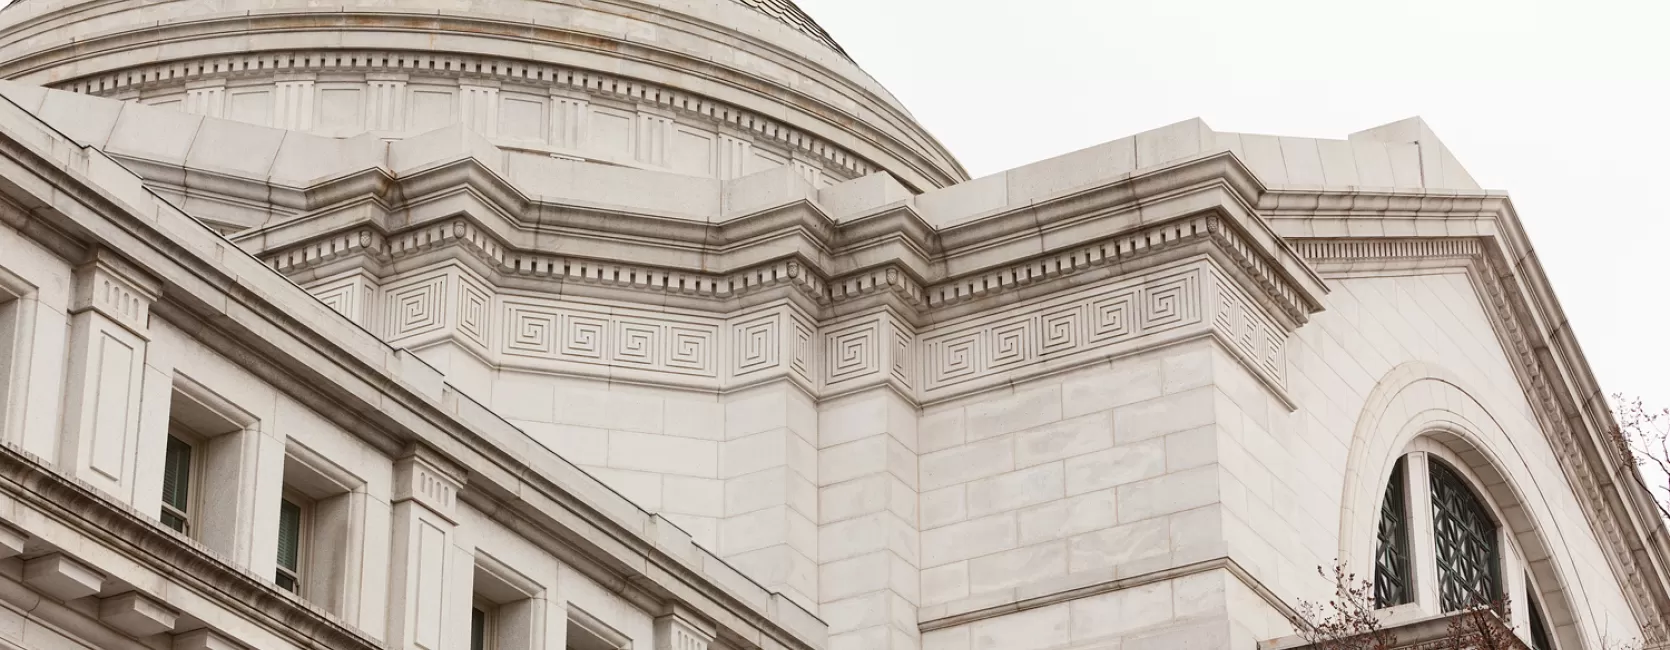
<point>655,136</point>
<point>421,575</point>
<point>208,100</point>
<point>568,121</point>
<point>769,464</point>
<point>109,332</point>
<point>293,105</point>
<point>479,108</point>
<point>385,103</point>
<point>868,539</point>
<point>733,157</point>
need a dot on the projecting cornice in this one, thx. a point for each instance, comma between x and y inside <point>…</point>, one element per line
<point>824,97</point>
<point>1377,232</point>
<point>777,232</point>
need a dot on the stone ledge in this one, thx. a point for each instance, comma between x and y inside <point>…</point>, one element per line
<point>1413,629</point>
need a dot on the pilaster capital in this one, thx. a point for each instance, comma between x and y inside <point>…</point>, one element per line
<point>430,480</point>
<point>110,286</point>
<point>680,629</point>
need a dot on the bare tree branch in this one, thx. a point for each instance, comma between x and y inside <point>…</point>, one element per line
<point>1643,435</point>
<point>1347,621</point>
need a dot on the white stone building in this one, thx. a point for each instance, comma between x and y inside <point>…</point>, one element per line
<point>658,324</point>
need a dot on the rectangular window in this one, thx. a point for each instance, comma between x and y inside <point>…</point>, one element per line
<point>293,512</point>
<point>177,486</point>
<point>13,354</point>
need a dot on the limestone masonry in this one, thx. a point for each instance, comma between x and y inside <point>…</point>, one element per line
<point>660,325</point>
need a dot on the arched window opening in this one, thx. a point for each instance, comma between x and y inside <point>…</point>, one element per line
<point>1540,638</point>
<point>1465,543</point>
<point>1391,557</point>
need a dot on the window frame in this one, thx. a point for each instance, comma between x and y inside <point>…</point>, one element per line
<point>304,529</point>
<point>489,623</point>
<point>1396,486</point>
<point>18,304</point>
<point>1495,500</point>
<point>1536,620</point>
<point>195,457</point>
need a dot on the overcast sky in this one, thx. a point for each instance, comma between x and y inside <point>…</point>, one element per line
<point>1562,104</point>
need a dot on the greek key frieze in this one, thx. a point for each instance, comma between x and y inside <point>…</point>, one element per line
<point>545,331</point>
<point>1110,314</point>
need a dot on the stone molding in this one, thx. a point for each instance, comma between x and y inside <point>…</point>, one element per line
<point>1412,632</point>
<point>87,512</point>
<point>943,620</point>
<point>917,274</point>
<point>794,88</point>
<point>1597,471</point>
<point>363,71</point>
<point>538,331</point>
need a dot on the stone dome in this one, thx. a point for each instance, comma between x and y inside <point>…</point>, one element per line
<point>720,88</point>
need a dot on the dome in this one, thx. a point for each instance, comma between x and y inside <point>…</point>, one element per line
<point>720,88</point>
<point>792,16</point>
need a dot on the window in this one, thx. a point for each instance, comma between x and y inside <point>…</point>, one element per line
<point>1540,639</point>
<point>481,625</point>
<point>321,519</point>
<point>294,513</point>
<point>1391,557</point>
<point>14,353</point>
<point>178,482</point>
<point>199,467</point>
<point>1464,541</point>
<point>507,611</point>
<point>1442,547</point>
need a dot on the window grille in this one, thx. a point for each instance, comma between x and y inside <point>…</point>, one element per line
<point>1465,543</point>
<point>1391,557</point>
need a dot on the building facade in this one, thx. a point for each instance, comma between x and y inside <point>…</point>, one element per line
<point>658,324</point>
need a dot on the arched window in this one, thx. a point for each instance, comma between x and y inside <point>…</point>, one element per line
<point>1464,543</point>
<point>1442,547</point>
<point>1391,556</point>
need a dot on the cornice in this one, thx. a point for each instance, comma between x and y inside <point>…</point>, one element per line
<point>87,512</point>
<point>945,270</point>
<point>271,328</point>
<point>269,32</point>
<point>480,68</point>
<point>1610,489</point>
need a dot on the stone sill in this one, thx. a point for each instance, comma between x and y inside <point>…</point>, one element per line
<point>1413,628</point>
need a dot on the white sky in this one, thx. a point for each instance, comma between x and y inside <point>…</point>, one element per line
<point>1563,104</point>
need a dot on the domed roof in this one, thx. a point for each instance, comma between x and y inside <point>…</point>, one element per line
<point>791,15</point>
<point>667,84</point>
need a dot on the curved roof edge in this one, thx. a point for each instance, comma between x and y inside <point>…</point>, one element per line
<point>786,12</point>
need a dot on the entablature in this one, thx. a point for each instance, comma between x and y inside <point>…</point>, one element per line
<point>938,271</point>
